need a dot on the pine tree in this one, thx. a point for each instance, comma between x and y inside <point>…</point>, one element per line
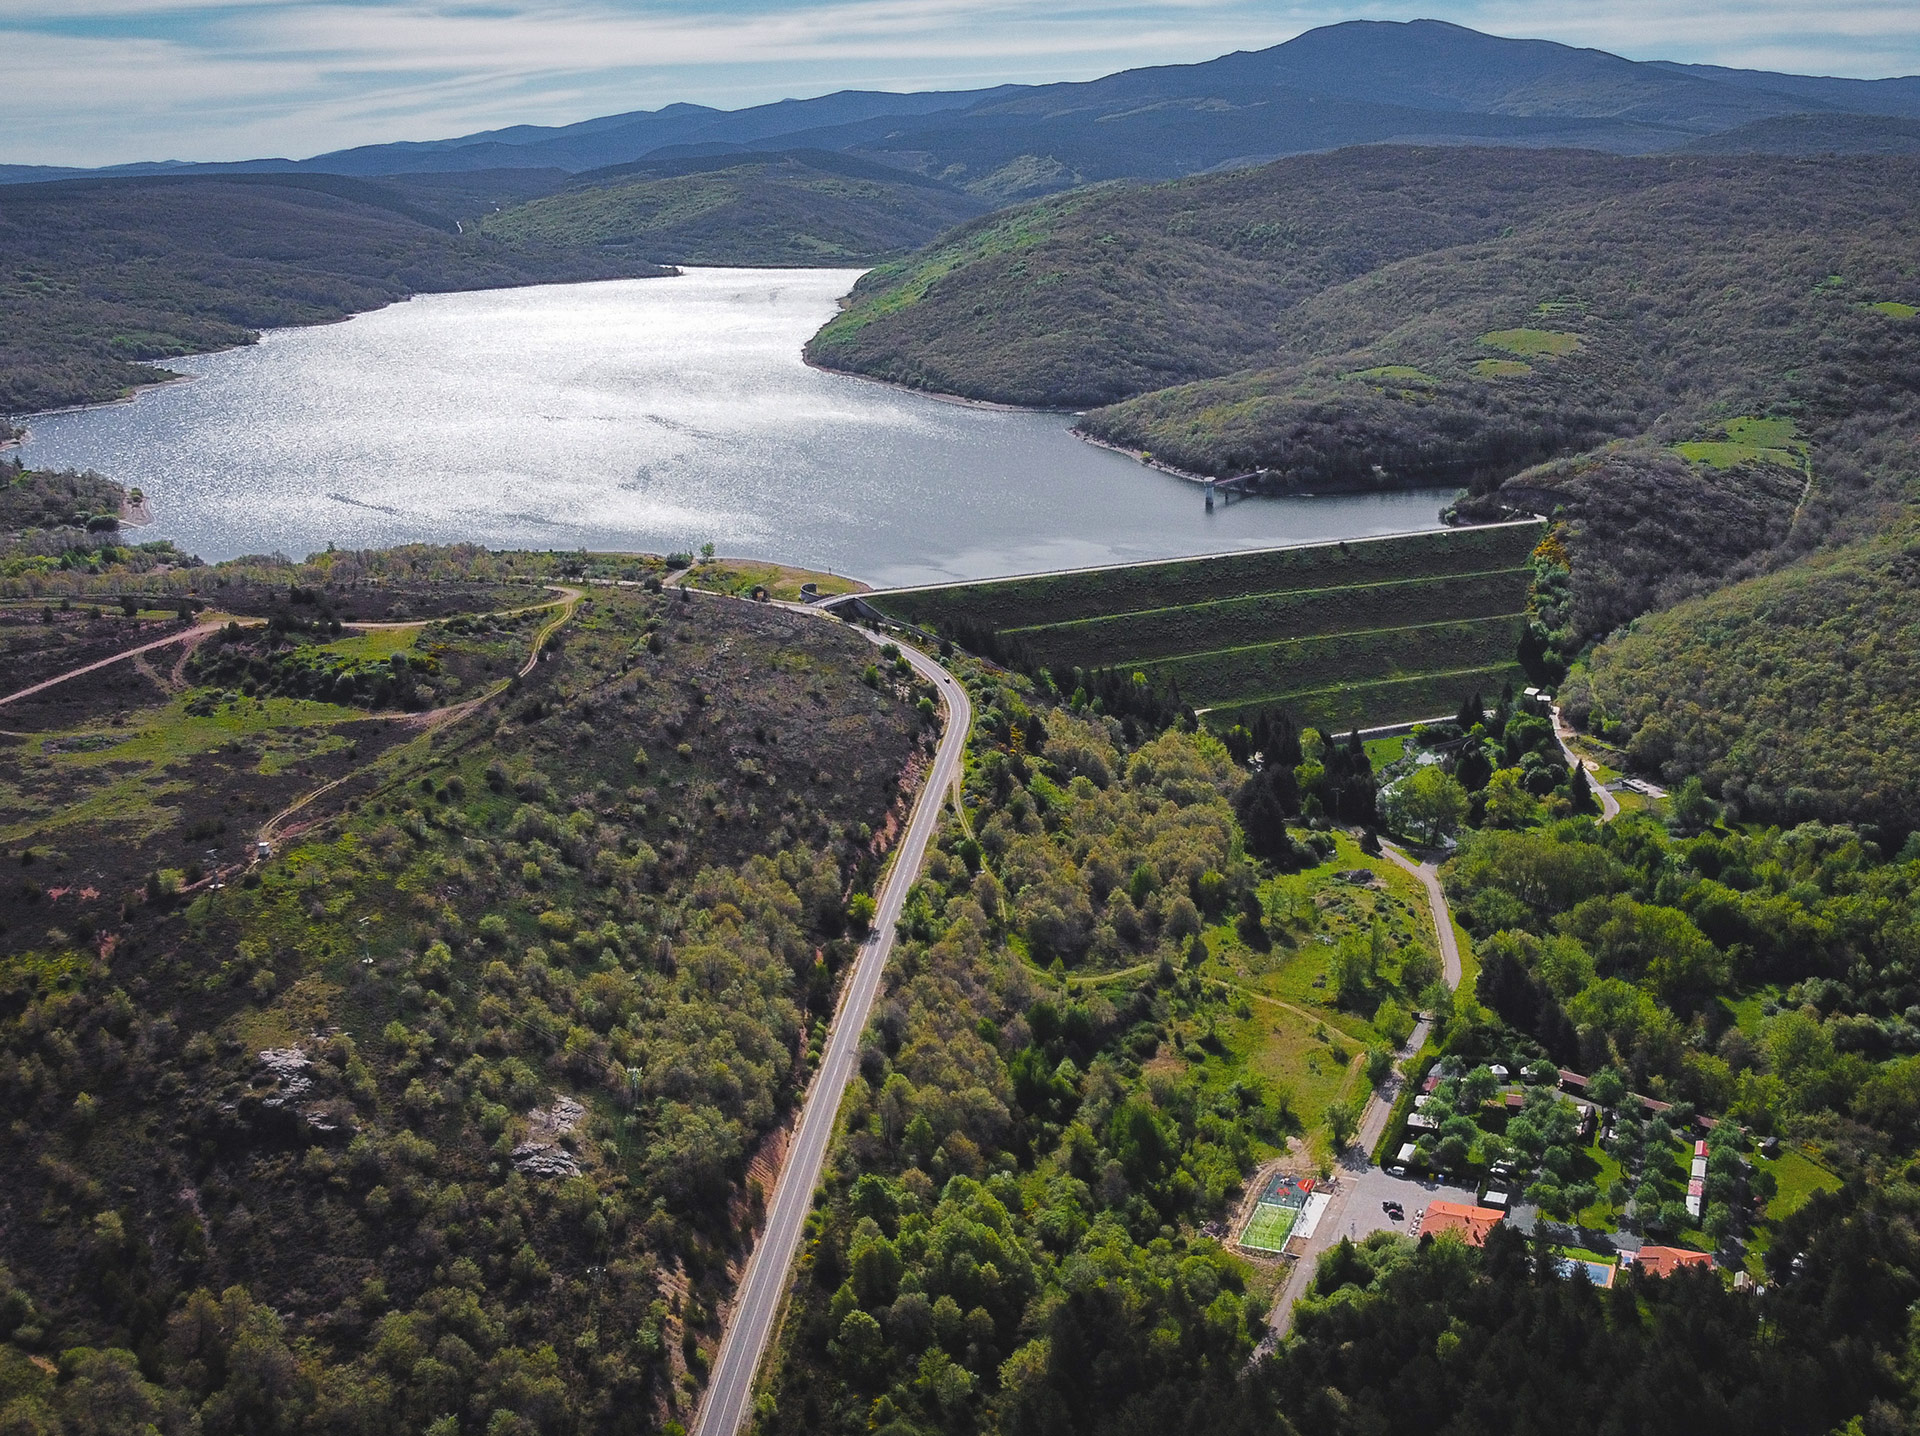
<point>1580,791</point>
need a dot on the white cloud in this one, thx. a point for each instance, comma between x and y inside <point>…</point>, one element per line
<point>111,80</point>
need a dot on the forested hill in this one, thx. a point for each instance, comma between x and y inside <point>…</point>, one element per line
<point>1706,368</point>
<point>102,279</point>
<point>1359,82</point>
<point>1440,314</point>
<point>791,208</point>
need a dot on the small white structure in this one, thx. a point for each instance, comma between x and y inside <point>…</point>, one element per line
<point>1310,1215</point>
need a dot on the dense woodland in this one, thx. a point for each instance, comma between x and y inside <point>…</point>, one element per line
<point>447,1115</point>
<point>1704,370</point>
<point>1010,1243</point>
<point>451,1121</point>
<point>1011,1239</point>
<point>1806,706</point>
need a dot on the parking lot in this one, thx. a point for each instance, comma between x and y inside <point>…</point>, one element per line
<point>1368,1189</point>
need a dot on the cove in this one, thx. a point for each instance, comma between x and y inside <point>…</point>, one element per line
<point>652,414</point>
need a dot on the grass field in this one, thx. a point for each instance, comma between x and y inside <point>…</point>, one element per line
<point>741,576</point>
<point>1384,751</point>
<point>1404,373</point>
<point>1532,341</point>
<point>1366,631</point>
<point>1749,441</point>
<point>1268,1228</point>
<point>1287,970</point>
<point>1272,1018</point>
<point>1799,1177</point>
<point>377,644</point>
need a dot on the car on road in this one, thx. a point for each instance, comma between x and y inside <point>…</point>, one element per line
<point>1394,1210</point>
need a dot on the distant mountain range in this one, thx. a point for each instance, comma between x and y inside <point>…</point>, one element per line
<point>1363,82</point>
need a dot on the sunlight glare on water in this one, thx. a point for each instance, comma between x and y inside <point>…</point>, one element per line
<point>653,415</point>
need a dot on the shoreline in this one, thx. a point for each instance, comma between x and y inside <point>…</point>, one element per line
<point>1139,456</point>
<point>959,401</point>
<point>26,429</point>
<point>1146,461</point>
<point>670,271</point>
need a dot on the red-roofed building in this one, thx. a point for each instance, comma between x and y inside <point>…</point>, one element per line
<point>1472,1223</point>
<point>1664,1261</point>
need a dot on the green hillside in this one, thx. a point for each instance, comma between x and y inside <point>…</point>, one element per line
<point>1390,316</point>
<point>1701,369</point>
<point>484,1048</point>
<point>780,209</point>
<point>1371,631</point>
<point>1806,707</point>
<point>1101,294</point>
<point>1649,526</point>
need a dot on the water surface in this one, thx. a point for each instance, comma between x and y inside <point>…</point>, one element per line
<point>651,414</point>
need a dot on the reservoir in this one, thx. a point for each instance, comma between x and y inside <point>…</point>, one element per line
<point>652,414</point>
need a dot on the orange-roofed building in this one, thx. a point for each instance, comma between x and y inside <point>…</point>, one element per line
<point>1662,1261</point>
<point>1471,1223</point>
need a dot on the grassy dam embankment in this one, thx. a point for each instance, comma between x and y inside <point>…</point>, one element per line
<point>1364,631</point>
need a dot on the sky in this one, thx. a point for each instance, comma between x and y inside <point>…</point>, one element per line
<point>92,82</point>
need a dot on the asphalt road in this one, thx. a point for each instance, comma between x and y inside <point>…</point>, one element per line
<point>1609,805</point>
<point>1429,877</point>
<point>729,1391</point>
<point>1354,1186</point>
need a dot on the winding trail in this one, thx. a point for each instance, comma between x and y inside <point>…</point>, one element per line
<point>437,717</point>
<point>1253,995</point>
<point>198,630</point>
<point>763,1285</point>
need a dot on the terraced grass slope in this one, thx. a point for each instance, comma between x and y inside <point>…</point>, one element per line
<point>1363,632</point>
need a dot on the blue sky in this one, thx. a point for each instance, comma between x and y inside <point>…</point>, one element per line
<point>103,81</point>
